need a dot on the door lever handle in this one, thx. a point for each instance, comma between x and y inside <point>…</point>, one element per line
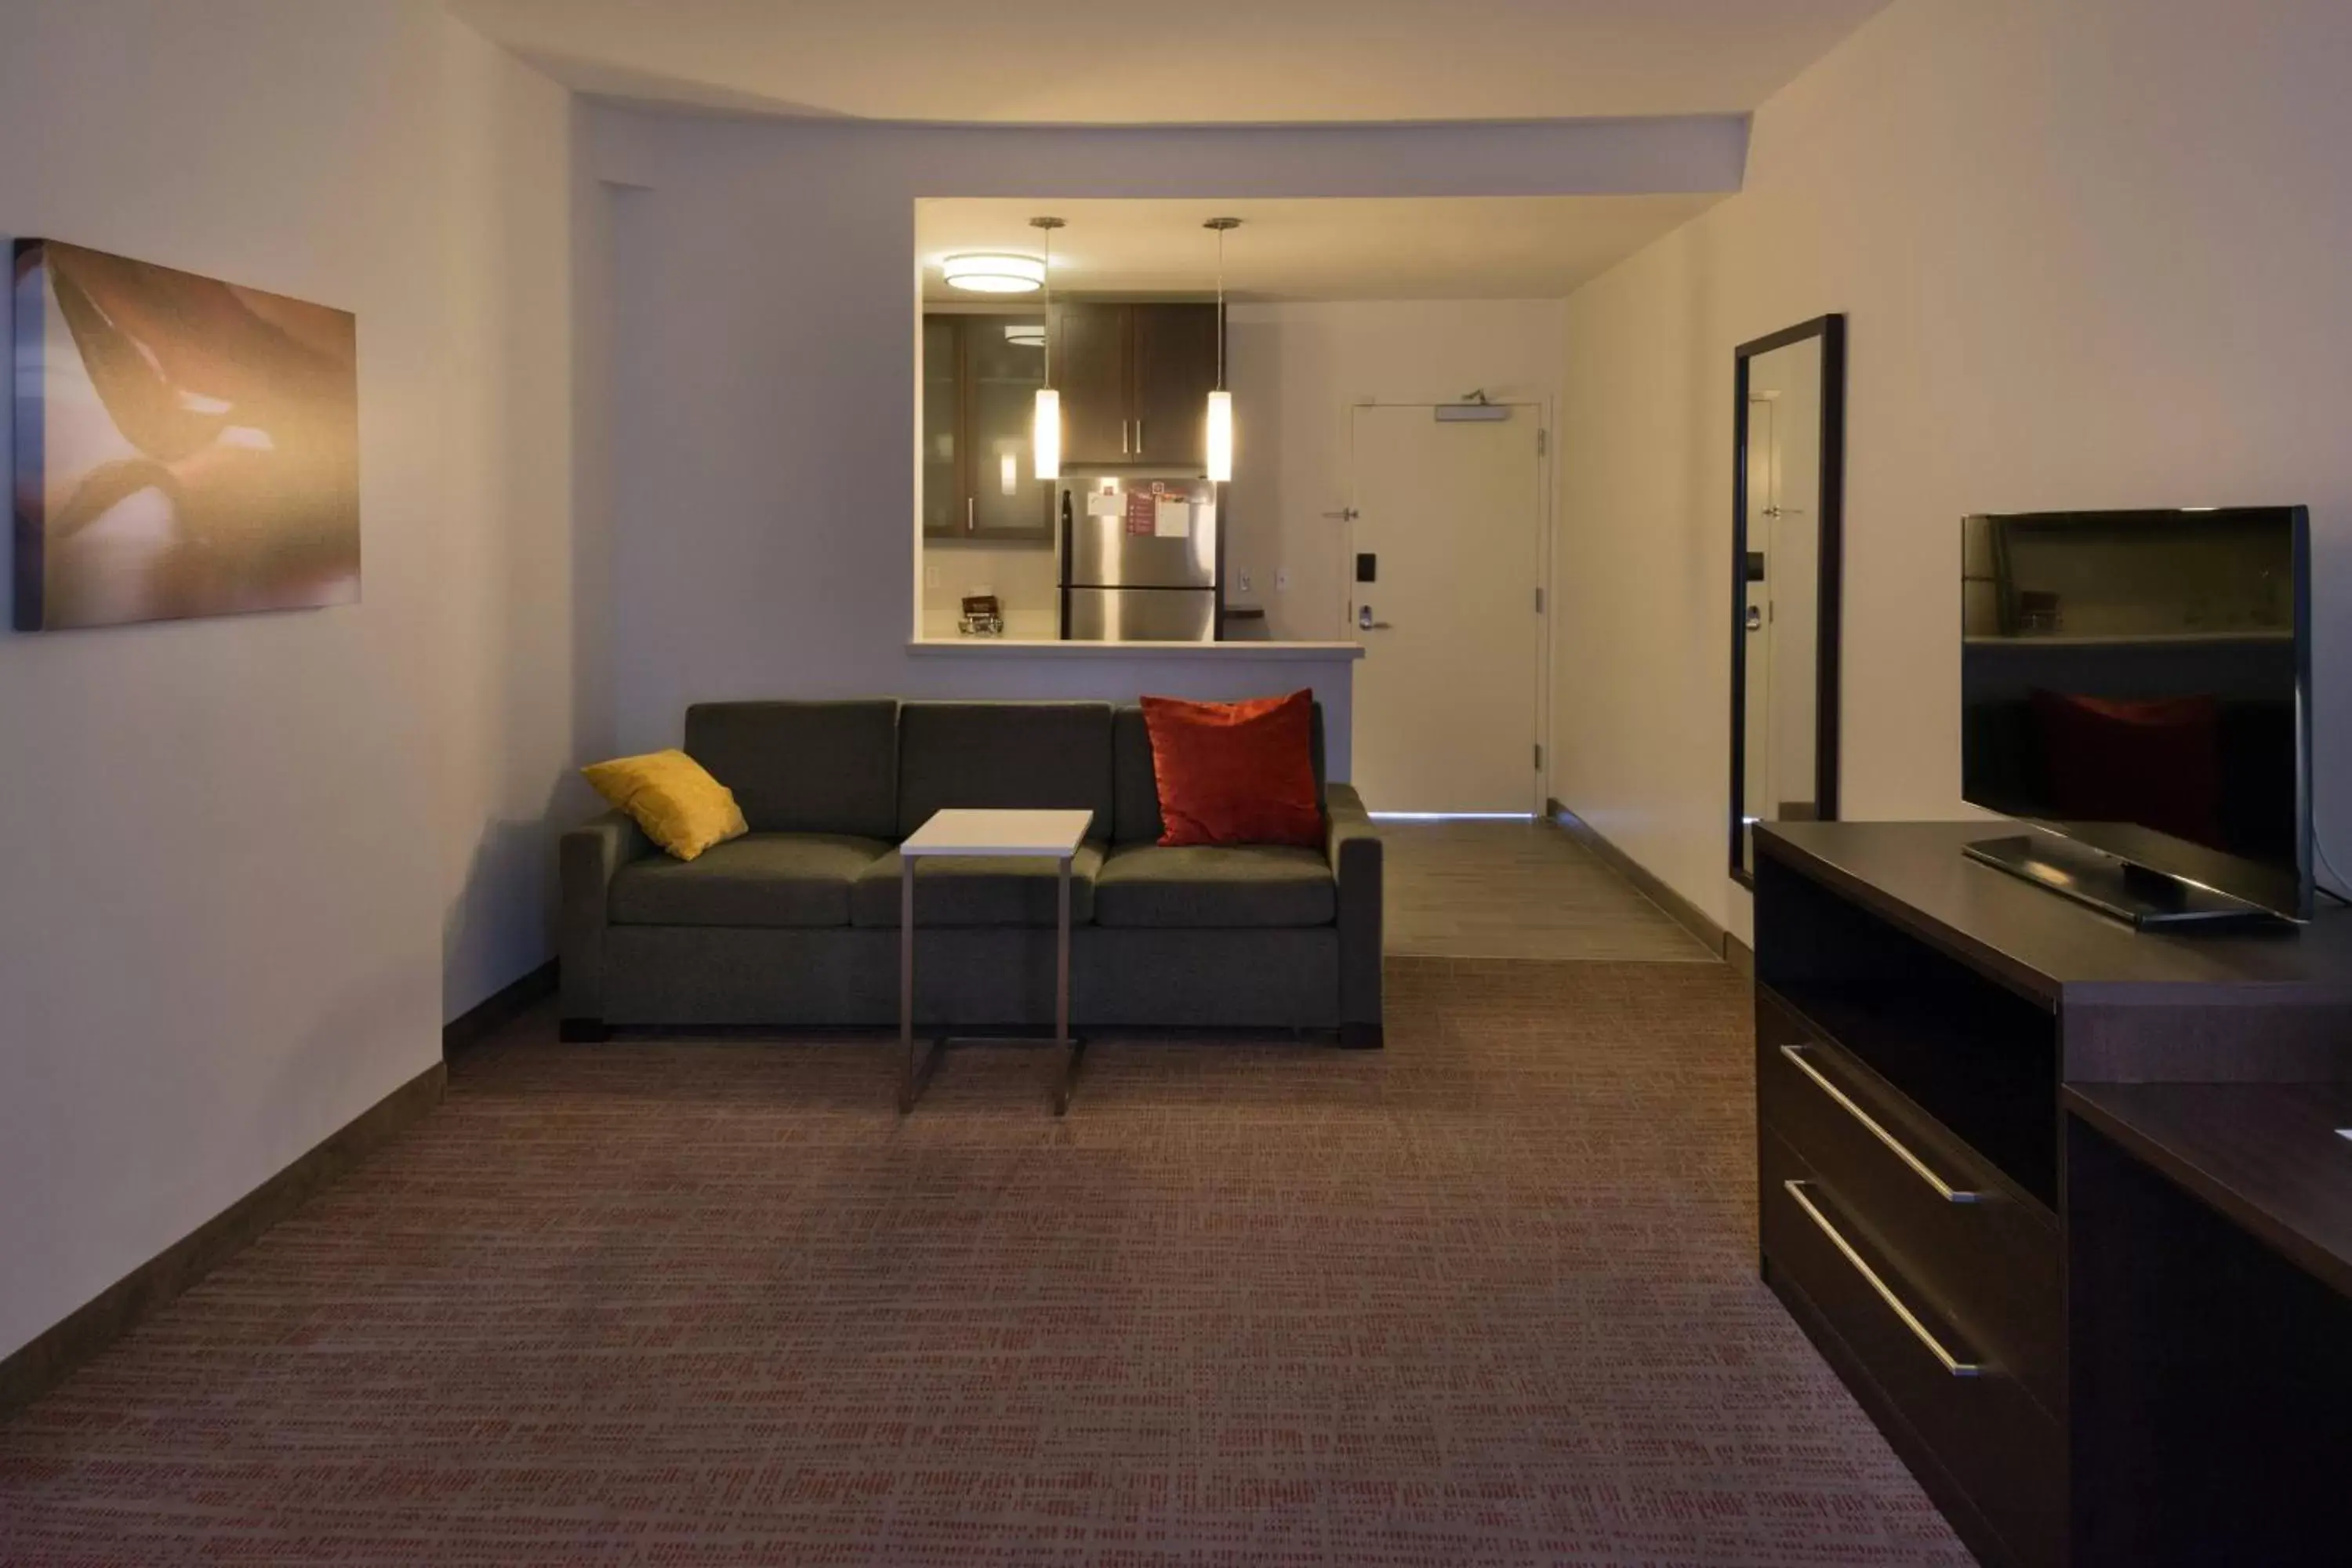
<point>1364,621</point>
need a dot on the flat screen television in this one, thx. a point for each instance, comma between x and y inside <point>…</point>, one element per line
<point>2140,682</point>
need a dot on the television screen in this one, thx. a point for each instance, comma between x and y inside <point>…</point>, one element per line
<point>2139,681</point>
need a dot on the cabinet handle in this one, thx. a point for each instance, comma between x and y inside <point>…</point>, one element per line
<point>1122,438</point>
<point>1139,436</point>
<point>967,514</point>
<point>1944,1190</point>
<point>1920,1331</point>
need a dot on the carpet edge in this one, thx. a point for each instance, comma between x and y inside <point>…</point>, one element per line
<point>54,1355</point>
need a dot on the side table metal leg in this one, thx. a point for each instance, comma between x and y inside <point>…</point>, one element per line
<point>907,1087</point>
<point>1068,1081</point>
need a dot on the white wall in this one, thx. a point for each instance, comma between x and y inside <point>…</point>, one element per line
<point>764,278</point>
<point>221,929</point>
<point>1296,369</point>
<point>2092,253</point>
<point>519,611</point>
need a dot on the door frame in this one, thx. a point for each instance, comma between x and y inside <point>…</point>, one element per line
<point>1547,501</point>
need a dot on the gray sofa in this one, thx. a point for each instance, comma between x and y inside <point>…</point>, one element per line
<point>795,924</point>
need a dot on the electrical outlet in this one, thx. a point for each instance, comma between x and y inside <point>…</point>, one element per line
<point>1245,582</point>
<point>1282,579</point>
<point>931,576</point>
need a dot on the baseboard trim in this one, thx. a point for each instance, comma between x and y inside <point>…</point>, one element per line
<point>497,1010</point>
<point>1685,913</point>
<point>1739,955</point>
<point>29,1373</point>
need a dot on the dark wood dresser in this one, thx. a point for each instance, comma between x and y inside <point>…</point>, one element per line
<point>1919,1019</point>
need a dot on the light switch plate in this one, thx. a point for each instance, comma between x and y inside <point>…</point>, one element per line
<point>1244,582</point>
<point>931,576</point>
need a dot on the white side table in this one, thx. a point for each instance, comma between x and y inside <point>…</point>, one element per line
<point>1046,834</point>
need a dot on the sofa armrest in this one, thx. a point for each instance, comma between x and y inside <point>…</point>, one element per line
<point>1353,845</point>
<point>588,858</point>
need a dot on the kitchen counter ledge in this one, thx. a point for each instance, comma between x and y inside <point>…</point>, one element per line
<point>1022,647</point>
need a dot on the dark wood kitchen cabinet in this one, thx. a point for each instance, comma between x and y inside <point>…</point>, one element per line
<point>980,385</point>
<point>1175,371</point>
<point>1134,382</point>
<point>1091,368</point>
<point>943,488</point>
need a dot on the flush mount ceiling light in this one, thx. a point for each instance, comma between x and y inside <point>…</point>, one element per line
<point>993,273</point>
<point>1045,423</point>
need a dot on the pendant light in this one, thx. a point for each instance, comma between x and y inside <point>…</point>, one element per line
<point>1220,401</point>
<point>1046,427</point>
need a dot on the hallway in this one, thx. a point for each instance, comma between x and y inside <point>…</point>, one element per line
<point>1518,889</point>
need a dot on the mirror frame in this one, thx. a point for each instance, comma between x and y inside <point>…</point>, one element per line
<point>1830,331</point>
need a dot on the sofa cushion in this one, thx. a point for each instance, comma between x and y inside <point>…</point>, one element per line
<point>1213,886</point>
<point>672,798</point>
<point>1235,772</point>
<point>803,767</point>
<point>1010,755</point>
<point>761,879</point>
<point>1136,788</point>
<point>976,891</point>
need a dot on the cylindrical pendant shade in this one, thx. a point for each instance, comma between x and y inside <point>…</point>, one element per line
<point>1221,436</point>
<point>1045,434</point>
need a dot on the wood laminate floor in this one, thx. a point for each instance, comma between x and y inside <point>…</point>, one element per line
<point>1518,889</point>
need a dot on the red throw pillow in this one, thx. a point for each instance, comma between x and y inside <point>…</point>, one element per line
<point>1235,772</point>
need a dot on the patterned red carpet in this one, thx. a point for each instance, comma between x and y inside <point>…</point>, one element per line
<point>1487,1297</point>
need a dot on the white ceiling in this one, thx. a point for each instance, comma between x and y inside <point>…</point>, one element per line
<point>1514,247</point>
<point>1180,61</point>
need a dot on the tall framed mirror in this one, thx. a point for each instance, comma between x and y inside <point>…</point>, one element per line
<point>1788,482</point>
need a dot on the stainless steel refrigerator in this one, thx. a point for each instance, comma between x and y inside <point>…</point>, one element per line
<point>1141,559</point>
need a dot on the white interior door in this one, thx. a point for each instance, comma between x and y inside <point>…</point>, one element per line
<point>1446,699</point>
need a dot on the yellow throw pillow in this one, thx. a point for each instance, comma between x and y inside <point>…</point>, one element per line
<point>673,798</point>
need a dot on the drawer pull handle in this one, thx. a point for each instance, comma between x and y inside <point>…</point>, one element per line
<point>1944,1189</point>
<point>1920,1331</point>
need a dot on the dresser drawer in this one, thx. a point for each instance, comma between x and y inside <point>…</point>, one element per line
<point>1993,1441</point>
<point>1988,1258</point>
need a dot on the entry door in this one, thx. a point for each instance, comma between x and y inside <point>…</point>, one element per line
<point>1451,515</point>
